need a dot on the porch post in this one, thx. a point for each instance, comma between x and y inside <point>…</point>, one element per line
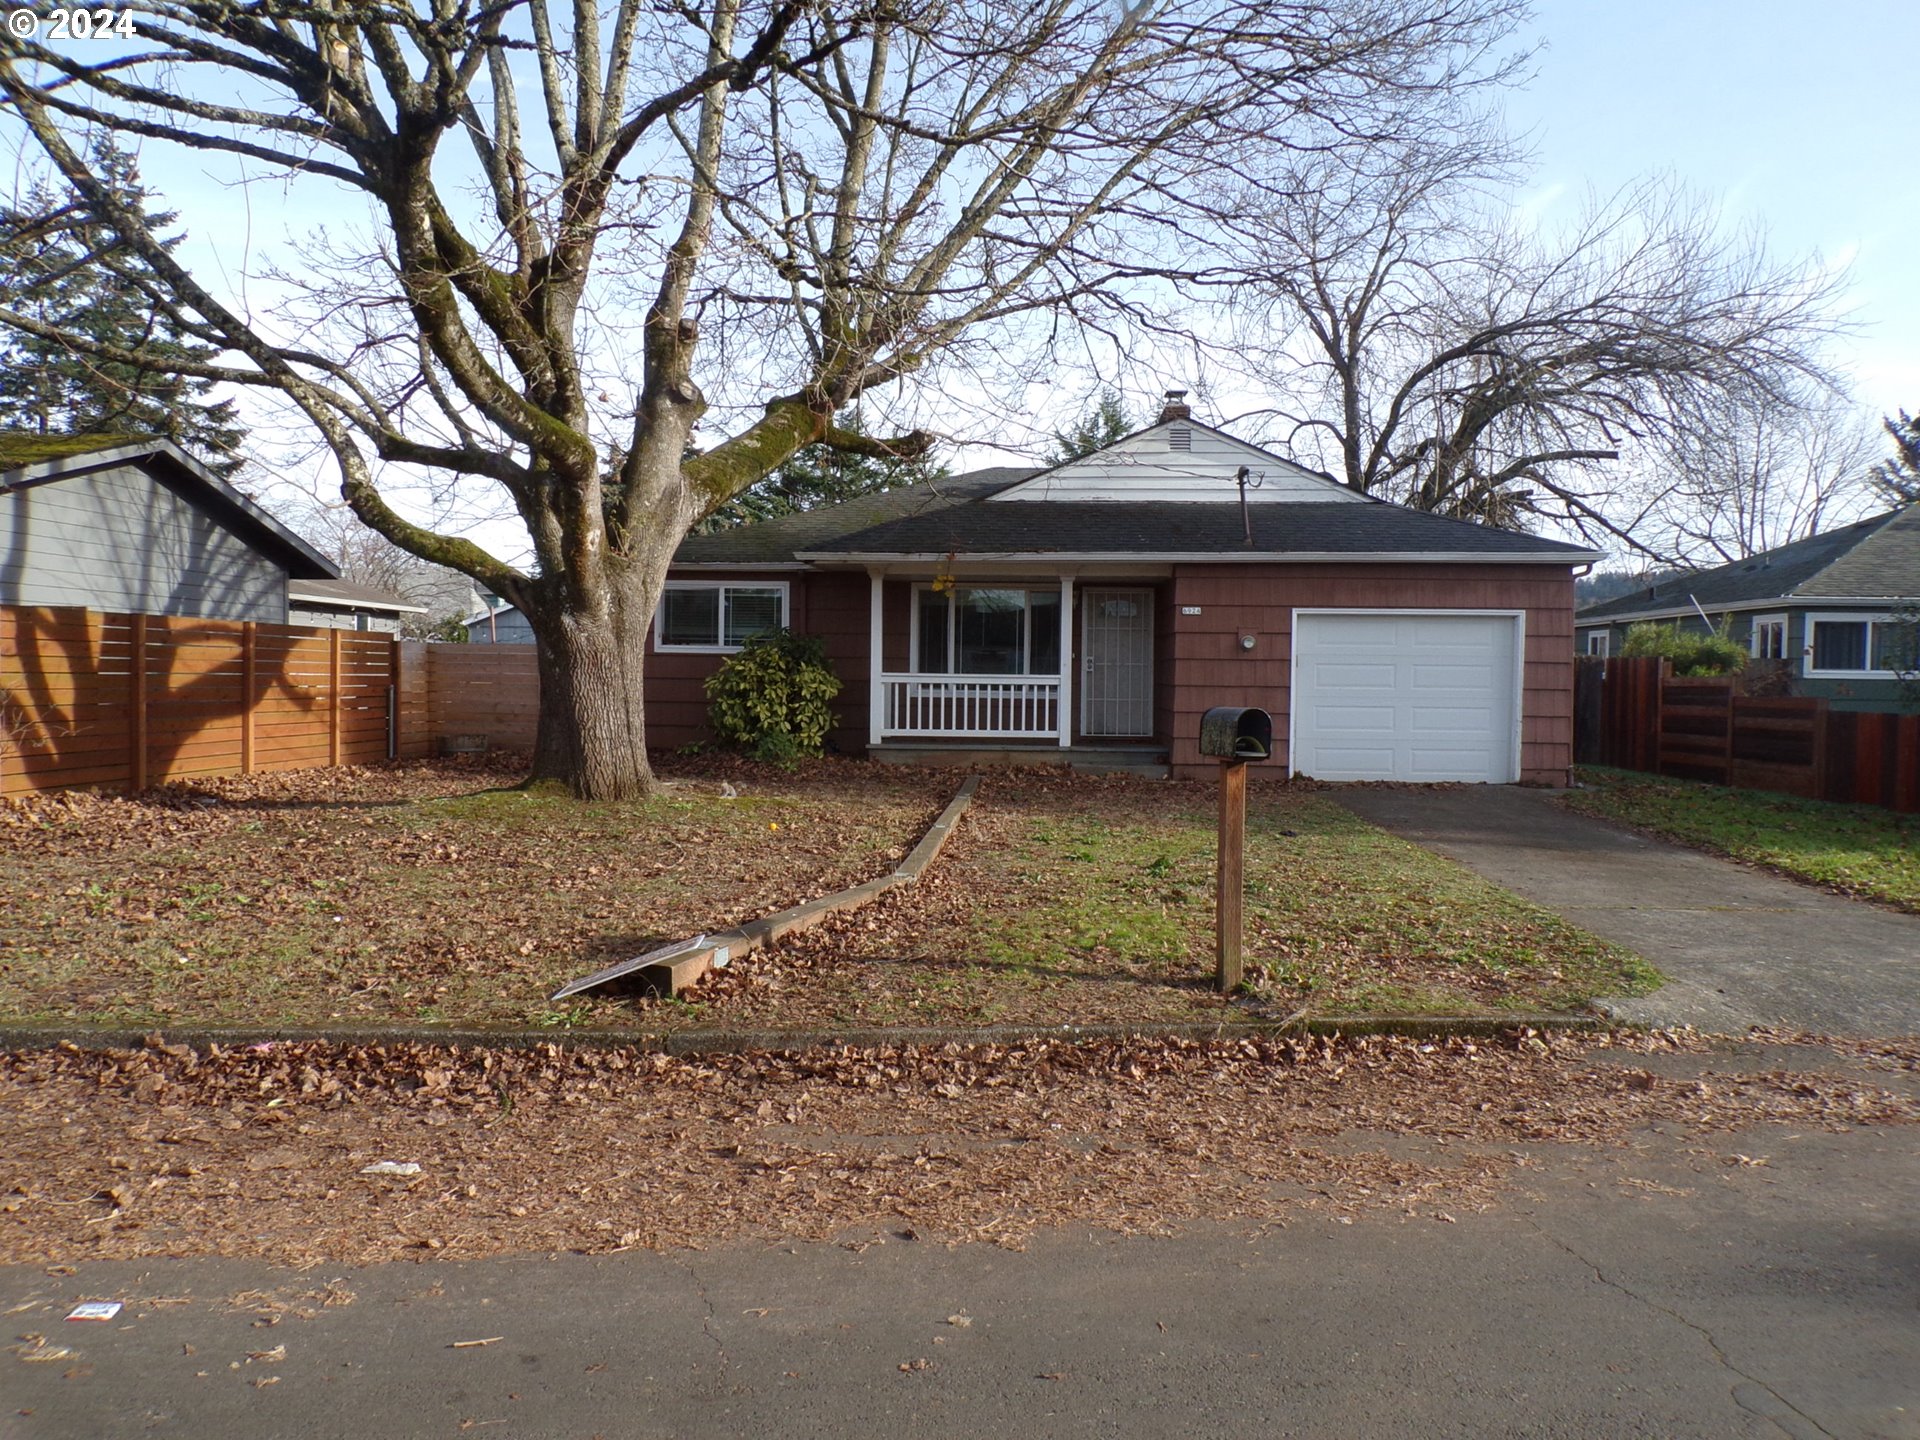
<point>876,692</point>
<point>1066,661</point>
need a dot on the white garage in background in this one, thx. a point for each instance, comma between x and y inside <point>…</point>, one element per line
<point>1406,695</point>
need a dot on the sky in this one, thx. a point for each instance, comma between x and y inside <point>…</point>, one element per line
<point>1802,117</point>
<point>1799,118</point>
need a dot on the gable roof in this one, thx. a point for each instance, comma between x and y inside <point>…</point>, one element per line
<point>1182,460</point>
<point>778,541</point>
<point>1876,558</point>
<point>27,460</point>
<point>1189,530</point>
<point>1133,500</point>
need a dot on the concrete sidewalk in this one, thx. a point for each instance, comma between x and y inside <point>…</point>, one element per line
<point>1740,947</point>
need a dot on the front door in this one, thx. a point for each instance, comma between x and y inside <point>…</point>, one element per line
<point>1116,670</point>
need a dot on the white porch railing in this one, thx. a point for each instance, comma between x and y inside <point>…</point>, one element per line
<point>960,707</point>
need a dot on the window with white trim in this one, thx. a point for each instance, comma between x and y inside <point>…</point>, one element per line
<point>986,630</point>
<point>1769,640</point>
<point>1599,642</point>
<point>717,615</point>
<point>1860,646</point>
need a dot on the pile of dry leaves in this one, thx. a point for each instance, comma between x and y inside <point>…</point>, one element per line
<point>421,892</point>
<point>266,1150</point>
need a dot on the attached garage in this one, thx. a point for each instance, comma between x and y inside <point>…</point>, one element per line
<point>1401,695</point>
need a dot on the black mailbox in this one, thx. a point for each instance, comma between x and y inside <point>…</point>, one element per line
<point>1228,732</point>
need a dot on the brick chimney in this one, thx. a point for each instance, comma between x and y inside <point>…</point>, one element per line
<point>1176,407</point>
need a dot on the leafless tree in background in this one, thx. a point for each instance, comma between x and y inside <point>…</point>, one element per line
<point>367,557</point>
<point>1440,352</point>
<point>1740,481</point>
<point>589,232</point>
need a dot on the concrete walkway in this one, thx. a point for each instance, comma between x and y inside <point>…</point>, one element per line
<point>1740,947</point>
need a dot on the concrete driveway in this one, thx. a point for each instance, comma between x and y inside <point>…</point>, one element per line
<point>1740,947</point>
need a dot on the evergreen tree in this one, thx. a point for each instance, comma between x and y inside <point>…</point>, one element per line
<point>63,270</point>
<point>817,477</point>
<point>1899,478</point>
<point>1098,428</point>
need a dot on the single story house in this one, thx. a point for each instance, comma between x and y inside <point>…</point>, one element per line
<point>347,605</point>
<point>1089,613</point>
<point>140,526</point>
<point>497,623</point>
<point>1829,607</point>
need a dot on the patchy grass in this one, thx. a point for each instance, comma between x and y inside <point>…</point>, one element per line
<point>1091,900</point>
<point>1857,849</point>
<point>437,895</point>
<point>422,893</point>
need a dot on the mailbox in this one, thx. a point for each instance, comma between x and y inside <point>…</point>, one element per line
<point>1227,732</point>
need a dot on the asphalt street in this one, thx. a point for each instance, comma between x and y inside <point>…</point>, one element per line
<point>1764,1284</point>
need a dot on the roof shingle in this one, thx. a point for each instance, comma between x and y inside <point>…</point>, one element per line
<point>1878,557</point>
<point>1189,528</point>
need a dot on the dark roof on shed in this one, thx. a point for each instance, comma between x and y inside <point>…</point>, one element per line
<point>1162,527</point>
<point>1876,558</point>
<point>349,593</point>
<point>29,459</point>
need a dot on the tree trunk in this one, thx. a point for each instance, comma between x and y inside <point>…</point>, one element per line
<point>593,725</point>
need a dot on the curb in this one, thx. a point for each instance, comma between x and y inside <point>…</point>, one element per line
<point>695,1043</point>
<point>682,965</point>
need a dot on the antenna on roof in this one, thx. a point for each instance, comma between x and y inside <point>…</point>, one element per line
<point>1248,479</point>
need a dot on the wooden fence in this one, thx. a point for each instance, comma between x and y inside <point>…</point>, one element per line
<point>134,700</point>
<point>1632,714</point>
<point>491,690</point>
<point>127,701</point>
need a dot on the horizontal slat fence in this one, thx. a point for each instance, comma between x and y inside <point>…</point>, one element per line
<point>490,690</point>
<point>92,699</point>
<point>1631,714</point>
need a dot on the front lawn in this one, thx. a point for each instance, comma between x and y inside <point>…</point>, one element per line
<point>1081,900</point>
<point>1859,849</point>
<point>434,894</point>
<point>421,893</point>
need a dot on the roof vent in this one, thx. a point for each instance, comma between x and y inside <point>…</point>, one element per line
<point>1180,437</point>
<point>1176,407</point>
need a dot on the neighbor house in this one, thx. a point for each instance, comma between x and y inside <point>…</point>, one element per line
<point>140,526</point>
<point>1836,609</point>
<point>1089,613</point>
<point>348,605</point>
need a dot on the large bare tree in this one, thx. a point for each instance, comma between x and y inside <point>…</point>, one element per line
<point>597,225</point>
<point>1437,346</point>
<point>1741,480</point>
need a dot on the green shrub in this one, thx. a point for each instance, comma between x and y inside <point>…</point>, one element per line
<point>772,697</point>
<point>1693,652</point>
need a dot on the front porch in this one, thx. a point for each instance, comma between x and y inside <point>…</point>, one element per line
<point>1149,760</point>
<point>1012,665</point>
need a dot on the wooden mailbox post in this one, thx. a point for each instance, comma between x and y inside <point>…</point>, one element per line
<point>1234,736</point>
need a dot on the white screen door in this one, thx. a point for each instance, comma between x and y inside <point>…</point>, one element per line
<point>1116,648</point>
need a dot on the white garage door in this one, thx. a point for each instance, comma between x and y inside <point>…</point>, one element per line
<point>1405,697</point>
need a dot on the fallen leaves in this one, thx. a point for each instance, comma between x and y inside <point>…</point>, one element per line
<point>619,1147</point>
<point>421,890</point>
